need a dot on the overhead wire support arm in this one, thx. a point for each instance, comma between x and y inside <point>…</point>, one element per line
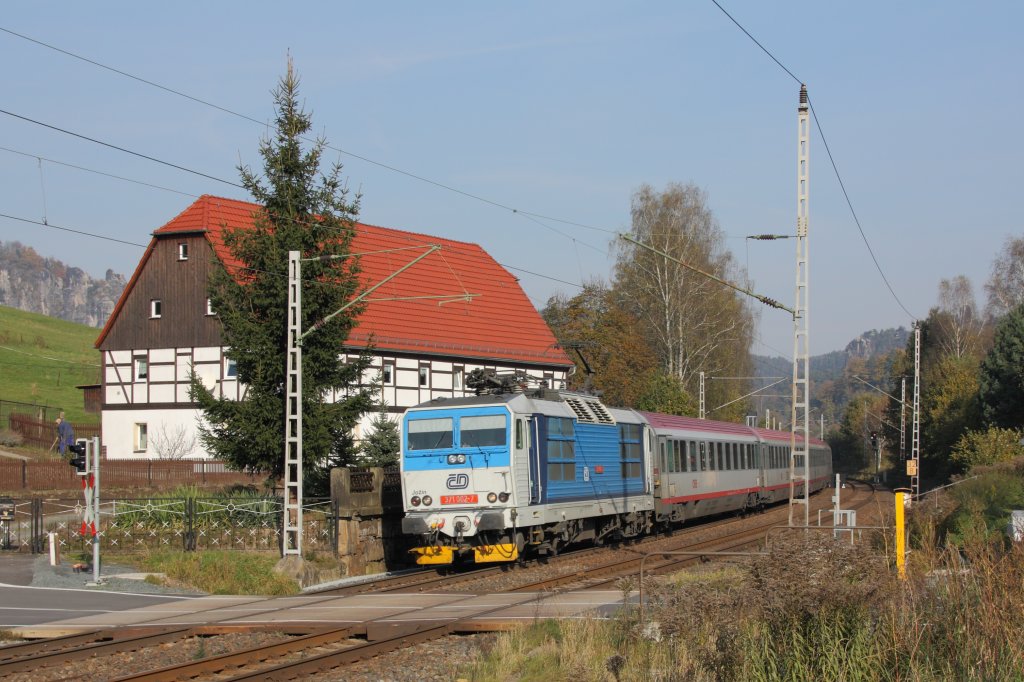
<point>771,302</point>
<point>320,323</point>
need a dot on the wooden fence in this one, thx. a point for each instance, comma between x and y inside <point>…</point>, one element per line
<point>121,473</point>
<point>42,433</point>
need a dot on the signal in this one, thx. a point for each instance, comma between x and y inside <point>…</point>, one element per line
<point>78,458</point>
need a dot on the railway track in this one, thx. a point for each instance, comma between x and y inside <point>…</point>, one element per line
<point>305,651</point>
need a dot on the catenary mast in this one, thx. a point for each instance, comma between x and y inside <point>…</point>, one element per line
<point>800,461</point>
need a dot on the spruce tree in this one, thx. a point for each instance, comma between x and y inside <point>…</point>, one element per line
<point>381,448</point>
<point>1001,382</point>
<point>310,211</point>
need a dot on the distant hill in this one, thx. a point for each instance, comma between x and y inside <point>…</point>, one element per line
<point>47,286</point>
<point>42,359</point>
<point>829,368</point>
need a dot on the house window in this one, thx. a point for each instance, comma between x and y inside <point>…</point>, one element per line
<point>209,308</point>
<point>183,251</point>
<point>230,369</point>
<point>141,438</point>
<point>141,369</point>
<point>387,374</point>
<point>155,308</point>
<point>561,449</point>
<point>424,375</point>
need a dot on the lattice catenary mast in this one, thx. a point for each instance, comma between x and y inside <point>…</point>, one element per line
<point>800,435</point>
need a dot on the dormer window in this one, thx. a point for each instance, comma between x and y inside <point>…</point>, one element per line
<point>155,308</point>
<point>183,251</point>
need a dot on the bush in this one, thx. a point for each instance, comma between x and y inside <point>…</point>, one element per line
<point>10,439</point>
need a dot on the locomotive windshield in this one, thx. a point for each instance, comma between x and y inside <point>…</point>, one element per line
<point>429,434</point>
<point>482,431</point>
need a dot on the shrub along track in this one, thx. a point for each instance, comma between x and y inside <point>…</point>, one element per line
<point>301,652</point>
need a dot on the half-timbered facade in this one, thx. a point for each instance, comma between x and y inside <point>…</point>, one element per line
<point>424,343</point>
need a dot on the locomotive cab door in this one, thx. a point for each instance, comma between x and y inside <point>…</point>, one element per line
<point>533,438</point>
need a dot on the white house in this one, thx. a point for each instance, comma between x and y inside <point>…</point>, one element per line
<point>163,326</point>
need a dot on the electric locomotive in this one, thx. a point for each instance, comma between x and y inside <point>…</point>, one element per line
<point>486,477</point>
<point>492,477</point>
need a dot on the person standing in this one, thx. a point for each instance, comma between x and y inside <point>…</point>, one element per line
<point>65,435</point>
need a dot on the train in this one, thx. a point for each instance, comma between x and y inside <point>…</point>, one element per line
<point>504,475</point>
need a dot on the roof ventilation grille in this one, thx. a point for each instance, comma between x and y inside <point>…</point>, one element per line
<point>583,414</point>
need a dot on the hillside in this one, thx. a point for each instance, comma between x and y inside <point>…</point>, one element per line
<point>43,358</point>
<point>47,286</point>
<point>828,370</point>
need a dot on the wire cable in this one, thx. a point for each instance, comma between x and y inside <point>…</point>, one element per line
<point>97,172</point>
<point>835,168</point>
<point>120,149</point>
<point>263,124</point>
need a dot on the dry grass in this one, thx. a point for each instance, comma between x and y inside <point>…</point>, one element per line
<point>813,609</point>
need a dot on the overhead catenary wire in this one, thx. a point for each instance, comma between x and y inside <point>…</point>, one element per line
<point>242,267</point>
<point>226,110</point>
<point>195,172</point>
<point>98,172</point>
<point>831,158</point>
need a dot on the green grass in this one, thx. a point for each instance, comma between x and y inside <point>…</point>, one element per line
<point>221,572</point>
<point>42,359</point>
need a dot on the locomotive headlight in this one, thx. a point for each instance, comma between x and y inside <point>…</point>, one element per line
<point>415,500</point>
<point>492,498</point>
<point>503,497</point>
<point>427,500</point>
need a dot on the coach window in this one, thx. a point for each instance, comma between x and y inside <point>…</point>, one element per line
<point>561,449</point>
<point>631,449</point>
<point>693,455</point>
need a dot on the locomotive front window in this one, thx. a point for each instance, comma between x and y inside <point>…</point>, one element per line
<point>430,434</point>
<point>482,431</point>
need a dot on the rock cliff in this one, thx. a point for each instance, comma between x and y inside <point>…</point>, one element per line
<point>31,282</point>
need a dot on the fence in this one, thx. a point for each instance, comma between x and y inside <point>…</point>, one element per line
<point>43,413</point>
<point>232,523</point>
<point>43,432</point>
<point>120,473</point>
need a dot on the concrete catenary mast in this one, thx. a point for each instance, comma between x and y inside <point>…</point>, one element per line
<point>800,461</point>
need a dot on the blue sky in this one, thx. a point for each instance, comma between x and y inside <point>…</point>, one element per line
<point>560,109</point>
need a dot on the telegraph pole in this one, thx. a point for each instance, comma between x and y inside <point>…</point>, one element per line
<point>800,461</point>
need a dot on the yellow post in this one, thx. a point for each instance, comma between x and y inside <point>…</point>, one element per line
<point>901,536</point>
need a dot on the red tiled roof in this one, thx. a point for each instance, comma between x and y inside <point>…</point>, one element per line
<point>498,324</point>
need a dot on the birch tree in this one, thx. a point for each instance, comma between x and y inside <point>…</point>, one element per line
<point>693,323</point>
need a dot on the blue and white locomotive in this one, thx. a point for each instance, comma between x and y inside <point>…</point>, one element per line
<point>490,478</point>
